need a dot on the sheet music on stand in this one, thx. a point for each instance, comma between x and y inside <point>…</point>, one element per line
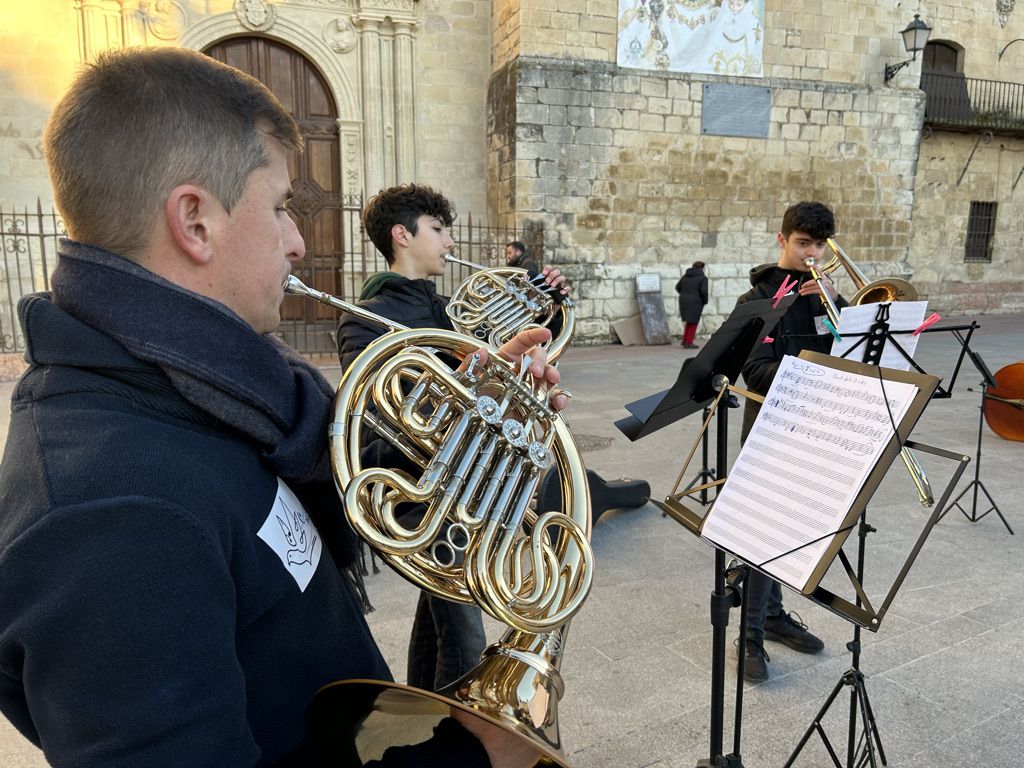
<point>854,321</point>
<point>800,481</point>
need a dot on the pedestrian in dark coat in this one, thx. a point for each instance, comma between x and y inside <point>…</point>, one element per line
<point>693,295</point>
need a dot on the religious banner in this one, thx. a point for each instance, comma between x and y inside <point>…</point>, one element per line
<point>717,37</point>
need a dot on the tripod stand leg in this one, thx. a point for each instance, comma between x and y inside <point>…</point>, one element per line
<point>993,507</point>
<point>976,483</point>
<point>870,738</point>
<point>815,726</point>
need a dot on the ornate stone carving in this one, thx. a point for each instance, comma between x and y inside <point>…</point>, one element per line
<point>164,19</point>
<point>340,35</point>
<point>257,15</point>
<point>389,5</point>
<point>1003,9</point>
<point>350,149</point>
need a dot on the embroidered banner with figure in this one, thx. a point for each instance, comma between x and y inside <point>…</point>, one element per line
<point>720,37</point>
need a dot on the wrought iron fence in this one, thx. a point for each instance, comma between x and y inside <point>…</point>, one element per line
<point>28,239</point>
<point>29,242</point>
<point>968,102</point>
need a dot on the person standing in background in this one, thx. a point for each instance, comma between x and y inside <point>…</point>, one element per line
<point>515,256</point>
<point>693,295</point>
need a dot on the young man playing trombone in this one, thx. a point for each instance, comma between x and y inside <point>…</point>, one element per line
<point>806,227</point>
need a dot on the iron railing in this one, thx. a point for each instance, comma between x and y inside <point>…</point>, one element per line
<point>28,238</point>
<point>958,102</point>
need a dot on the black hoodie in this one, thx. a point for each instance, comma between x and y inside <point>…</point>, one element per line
<point>413,303</point>
<point>799,320</point>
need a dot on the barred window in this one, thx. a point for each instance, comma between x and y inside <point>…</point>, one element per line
<point>981,226</point>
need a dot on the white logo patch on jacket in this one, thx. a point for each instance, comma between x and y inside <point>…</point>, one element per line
<point>291,534</point>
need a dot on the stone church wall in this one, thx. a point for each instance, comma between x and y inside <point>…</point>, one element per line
<point>612,166</point>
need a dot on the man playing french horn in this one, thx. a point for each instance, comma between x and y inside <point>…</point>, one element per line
<point>174,566</point>
<point>409,225</point>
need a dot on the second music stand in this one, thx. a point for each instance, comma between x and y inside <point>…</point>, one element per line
<point>987,380</point>
<point>703,379</point>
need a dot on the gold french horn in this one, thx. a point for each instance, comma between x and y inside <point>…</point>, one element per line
<point>480,438</point>
<point>493,304</point>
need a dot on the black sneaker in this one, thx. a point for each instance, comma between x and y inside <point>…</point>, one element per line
<point>791,631</point>
<point>755,665</point>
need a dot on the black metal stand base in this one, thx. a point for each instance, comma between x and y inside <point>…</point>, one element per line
<point>724,761</point>
<point>973,516</point>
<point>976,483</point>
<point>864,751</point>
<point>860,751</point>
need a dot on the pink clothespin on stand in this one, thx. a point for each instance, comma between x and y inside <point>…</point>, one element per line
<point>785,288</point>
<point>932,319</point>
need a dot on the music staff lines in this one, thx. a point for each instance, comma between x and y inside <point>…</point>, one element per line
<point>817,469</point>
<point>819,417</point>
<point>804,480</point>
<point>845,409</point>
<point>783,440</point>
<point>847,444</point>
<point>757,554</point>
<point>808,382</point>
<point>784,510</point>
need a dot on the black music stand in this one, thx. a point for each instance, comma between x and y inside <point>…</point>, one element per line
<point>702,379</point>
<point>860,611</point>
<point>987,380</point>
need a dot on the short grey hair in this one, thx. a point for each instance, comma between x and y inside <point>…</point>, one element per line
<point>139,122</point>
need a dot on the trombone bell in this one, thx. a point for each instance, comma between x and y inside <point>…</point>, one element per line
<point>886,290</point>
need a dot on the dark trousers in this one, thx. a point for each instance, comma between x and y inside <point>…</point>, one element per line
<point>763,598</point>
<point>447,640</point>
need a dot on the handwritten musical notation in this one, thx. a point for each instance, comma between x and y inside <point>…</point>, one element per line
<point>816,439</point>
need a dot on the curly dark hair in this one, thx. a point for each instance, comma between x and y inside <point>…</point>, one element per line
<point>403,205</point>
<point>815,219</point>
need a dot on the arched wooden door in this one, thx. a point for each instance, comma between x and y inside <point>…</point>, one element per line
<point>318,207</point>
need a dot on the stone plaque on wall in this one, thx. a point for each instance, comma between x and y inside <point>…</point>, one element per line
<point>736,110</point>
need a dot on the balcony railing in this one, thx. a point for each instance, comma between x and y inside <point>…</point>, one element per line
<point>963,103</point>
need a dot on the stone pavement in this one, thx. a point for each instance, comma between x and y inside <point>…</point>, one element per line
<point>944,672</point>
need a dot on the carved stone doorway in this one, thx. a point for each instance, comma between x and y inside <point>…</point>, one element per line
<point>326,220</point>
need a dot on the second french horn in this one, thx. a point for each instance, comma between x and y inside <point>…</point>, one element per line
<point>495,303</point>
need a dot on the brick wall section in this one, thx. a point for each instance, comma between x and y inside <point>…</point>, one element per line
<point>612,164</point>
<point>505,26</point>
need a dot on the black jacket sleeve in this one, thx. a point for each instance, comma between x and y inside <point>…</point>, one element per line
<point>354,335</point>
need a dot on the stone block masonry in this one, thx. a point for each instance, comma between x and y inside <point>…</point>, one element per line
<point>612,166</point>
